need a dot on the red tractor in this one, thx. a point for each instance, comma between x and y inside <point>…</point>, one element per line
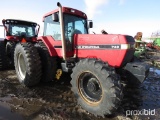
<point>16,31</point>
<point>3,58</point>
<point>98,62</point>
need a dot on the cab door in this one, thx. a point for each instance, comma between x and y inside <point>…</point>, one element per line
<point>52,28</point>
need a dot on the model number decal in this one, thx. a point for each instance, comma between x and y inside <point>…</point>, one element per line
<point>115,46</point>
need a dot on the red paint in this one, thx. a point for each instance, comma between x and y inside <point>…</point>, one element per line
<point>115,57</point>
<point>50,42</point>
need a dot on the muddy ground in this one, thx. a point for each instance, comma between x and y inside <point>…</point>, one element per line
<point>55,101</point>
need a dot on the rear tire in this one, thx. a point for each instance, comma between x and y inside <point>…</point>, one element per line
<point>3,56</point>
<point>97,87</point>
<point>10,47</point>
<point>27,64</point>
<point>49,64</point>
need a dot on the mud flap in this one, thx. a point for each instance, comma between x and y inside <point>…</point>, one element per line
<point>136,72</point>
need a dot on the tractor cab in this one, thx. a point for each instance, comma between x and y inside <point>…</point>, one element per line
<point>18,29</point>
<point>72,24</point>
<point>64,25</point>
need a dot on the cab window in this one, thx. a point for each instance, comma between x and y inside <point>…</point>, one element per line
<point>52,28</point>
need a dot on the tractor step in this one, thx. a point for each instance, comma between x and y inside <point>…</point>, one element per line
<point>67,66</point>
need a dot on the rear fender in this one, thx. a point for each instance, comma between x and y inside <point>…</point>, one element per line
<point>48,44</point>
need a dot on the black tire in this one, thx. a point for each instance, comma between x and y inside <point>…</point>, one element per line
<point>107,94</point>
<point>27,64</point>
<point>10,47</point>
<point>3,56</point>
<point>49,64</point>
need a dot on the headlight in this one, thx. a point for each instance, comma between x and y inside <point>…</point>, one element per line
<point>127,46</point>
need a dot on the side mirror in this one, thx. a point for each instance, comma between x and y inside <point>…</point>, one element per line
<point>38,28</point>
<point>55,17</point>
<point>91,24</point>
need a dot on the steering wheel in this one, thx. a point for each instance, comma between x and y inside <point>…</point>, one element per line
<point>69,29</point>
<point>17,33</point>
<point>14,33</point>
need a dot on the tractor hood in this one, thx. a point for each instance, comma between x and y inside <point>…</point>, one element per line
<point>115,49</point>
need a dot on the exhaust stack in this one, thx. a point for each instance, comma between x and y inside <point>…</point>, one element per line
<point>62,31</point>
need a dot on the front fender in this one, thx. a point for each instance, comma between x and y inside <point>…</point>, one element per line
<point>136,72</point>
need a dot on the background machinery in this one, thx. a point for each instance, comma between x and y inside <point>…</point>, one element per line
<point>156,43</point>
<point>19,34</point>
<point>140,47</point>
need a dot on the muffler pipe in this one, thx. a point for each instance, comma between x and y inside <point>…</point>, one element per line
<point>62,30</point>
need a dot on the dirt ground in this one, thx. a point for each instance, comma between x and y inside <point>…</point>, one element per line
<point>55,100</point>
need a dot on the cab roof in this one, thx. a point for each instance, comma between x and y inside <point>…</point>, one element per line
<point>17,21</point>
<point>69,11</point>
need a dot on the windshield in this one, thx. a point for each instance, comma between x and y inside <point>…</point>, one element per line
<point>74,25</point>
<point>18,30</point>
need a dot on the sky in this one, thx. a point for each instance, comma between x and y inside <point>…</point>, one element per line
<point>114,16</point>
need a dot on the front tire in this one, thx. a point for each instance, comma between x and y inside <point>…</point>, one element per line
<point>27,64</point>
<point>97,87</point>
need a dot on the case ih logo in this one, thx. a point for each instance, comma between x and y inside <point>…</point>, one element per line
<point>87,47</point>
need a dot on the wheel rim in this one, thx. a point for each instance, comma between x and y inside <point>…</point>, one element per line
<point>90,88</point>
<point>21,66</point>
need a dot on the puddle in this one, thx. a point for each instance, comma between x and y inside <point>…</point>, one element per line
<point>5,99</point>
<point>6,113</point>
<point>155,72</point>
